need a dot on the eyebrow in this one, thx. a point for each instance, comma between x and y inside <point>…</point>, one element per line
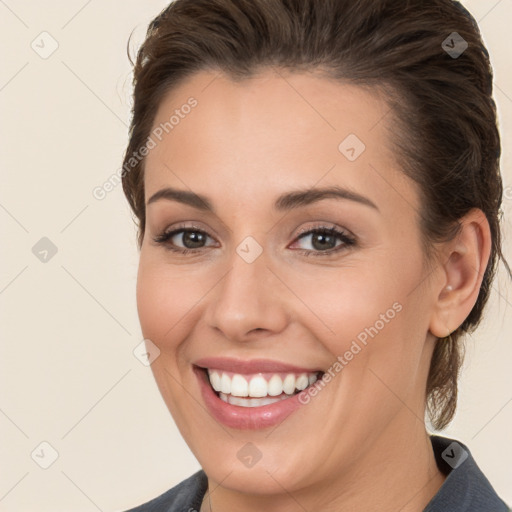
<point>284,202</point>
<point>305,197</point>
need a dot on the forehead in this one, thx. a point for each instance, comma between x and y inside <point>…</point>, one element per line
<point>272,132</point>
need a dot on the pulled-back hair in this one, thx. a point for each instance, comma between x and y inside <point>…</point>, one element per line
<point>446,138</point>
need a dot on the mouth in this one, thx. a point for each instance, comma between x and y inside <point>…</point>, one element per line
<point>254,394</point>
<point>258,389</point>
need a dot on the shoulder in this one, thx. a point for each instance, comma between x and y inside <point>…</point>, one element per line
<point>466,488</point>
<point>184,497</point>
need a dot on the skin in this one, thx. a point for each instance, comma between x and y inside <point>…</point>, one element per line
<point>361,443</point>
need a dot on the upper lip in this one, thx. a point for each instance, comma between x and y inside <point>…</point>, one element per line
<point>251,366</point>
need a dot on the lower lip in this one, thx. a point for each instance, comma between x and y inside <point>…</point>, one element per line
<point>247,418</point>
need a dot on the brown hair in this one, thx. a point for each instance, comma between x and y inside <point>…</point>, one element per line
<point>446,135</point>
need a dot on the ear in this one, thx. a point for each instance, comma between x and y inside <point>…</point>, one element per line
<point>464,261</point>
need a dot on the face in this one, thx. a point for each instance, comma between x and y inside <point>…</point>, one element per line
<point>293,249</point>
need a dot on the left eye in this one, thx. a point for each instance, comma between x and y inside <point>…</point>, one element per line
<point>324,240</point>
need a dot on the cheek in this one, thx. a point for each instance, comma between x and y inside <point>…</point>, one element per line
<point>342,303</point>
<point>165,301</point>
<point>166,296</point>
<point>376,344</point>
<point>367,315</point>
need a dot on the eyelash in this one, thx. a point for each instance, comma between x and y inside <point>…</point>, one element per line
<point>348,240</point>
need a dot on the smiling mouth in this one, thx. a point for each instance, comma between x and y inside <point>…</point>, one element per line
<point>258,389</point>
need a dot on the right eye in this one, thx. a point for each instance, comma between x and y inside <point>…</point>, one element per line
<point>191,240</point>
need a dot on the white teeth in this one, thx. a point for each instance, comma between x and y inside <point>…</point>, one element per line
<point>249,402</point>
<point>289,384</point>
<point>239,386</point>
<point>258,387</point>
<point>215,381</point>
<point>275,385</point>
<point>302,382</point>
<point>225,383</point>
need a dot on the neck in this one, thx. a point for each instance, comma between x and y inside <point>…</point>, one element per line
<point>399,472</point>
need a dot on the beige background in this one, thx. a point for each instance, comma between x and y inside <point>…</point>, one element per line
<point>68,376</point>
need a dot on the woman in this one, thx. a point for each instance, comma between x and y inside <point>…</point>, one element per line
<point>317,189</point>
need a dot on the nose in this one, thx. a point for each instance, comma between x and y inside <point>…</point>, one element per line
<point>248,303</point>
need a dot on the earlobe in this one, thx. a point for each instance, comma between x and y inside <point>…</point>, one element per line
<point>466,260</point>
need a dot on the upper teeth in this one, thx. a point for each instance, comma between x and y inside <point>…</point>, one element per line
<point>257,385</point>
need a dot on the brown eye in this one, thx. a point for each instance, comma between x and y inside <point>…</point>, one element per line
<point>183,240</point>
<point>324,241</point>
<point>191,239</point>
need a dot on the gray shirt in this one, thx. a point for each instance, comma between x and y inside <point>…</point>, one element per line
<point>466,489</point>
